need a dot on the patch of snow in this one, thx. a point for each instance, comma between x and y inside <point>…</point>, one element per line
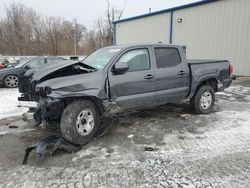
<point>238,89</point>
<point>15,131</point>
<point>8,103</point>
<point>223,93</point>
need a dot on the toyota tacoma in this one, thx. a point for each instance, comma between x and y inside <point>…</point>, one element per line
<point>115,79</point>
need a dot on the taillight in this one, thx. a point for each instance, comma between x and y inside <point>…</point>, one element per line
<point>231,70</point>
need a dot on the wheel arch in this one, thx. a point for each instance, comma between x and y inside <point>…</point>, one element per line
<point>10,75</point>
<point>212,81</point>
<point>95,100</point>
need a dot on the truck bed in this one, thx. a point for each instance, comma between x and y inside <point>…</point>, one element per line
<point>200,61</point>
<point>202,69</point>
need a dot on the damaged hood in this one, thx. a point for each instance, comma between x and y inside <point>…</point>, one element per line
<point>43,71</point>
<point>69,79</point>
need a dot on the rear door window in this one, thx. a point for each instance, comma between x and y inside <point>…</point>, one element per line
<point>167,57</point>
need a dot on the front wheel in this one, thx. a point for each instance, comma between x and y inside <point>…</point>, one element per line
<point>80,122</point>
<point>203,100</point>
<point>11,81</point>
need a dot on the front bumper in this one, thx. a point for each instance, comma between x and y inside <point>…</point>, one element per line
<point>27,104</point>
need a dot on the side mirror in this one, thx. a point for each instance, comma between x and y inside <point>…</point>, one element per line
<point>120,67</point>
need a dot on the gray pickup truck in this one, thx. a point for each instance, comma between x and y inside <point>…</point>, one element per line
<point>119,78</point>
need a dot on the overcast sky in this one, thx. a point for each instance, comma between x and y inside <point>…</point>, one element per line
<point>87,11</point>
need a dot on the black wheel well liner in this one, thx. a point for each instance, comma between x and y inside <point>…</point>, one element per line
<point>210,81</point>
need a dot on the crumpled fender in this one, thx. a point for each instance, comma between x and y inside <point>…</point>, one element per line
<point>90,84</point>
<point>94,92</point>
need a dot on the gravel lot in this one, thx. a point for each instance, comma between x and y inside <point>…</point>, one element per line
<point>189,150</point>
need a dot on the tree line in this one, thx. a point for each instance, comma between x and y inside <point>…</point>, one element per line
<point>25,32</point>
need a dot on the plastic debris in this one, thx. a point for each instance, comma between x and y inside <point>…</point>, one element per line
<point>13,126</point>
<point>185,115</point>
<point>130,136</point>
<point>147,148</point>
<point>48,146</point>
<point>182,137</point>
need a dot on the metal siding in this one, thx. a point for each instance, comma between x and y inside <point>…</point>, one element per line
<point>218,30</point>
<point>149,29</point>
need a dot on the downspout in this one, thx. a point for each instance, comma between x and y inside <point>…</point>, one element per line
<point>171,27</point>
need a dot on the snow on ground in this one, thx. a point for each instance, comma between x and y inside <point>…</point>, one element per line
<point>8,103</point>
<point>192,151</point>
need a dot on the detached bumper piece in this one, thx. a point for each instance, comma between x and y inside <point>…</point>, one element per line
<point>48,146</point>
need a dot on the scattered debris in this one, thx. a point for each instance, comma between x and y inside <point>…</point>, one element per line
<point>200,137</point>
<point>13,126</point>
<point>189,127</point>
<point>147,148</point>
<point>130,136</point>
<point>181,137</point>
<point>27,116</point>
<point>185,115</point>
<point>48,146</point>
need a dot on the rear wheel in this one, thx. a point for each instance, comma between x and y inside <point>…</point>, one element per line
<point>203,100</point>
<point>80,122</point>
<point>11,81</point>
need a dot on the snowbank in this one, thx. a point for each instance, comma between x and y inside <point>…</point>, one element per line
<point>8,103</point>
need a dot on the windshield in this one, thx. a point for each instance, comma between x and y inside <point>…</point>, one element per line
<point>100,58</point>
<point>22,62</point>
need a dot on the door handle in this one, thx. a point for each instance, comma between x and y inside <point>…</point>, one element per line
<point>149,76</point>
<point>181,72</point>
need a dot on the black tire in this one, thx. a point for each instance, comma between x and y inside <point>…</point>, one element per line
<point>69,122</point>
<point>10,84</point>
<point>196,103</point>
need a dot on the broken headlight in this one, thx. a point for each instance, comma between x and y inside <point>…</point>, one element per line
<point>43,91</point>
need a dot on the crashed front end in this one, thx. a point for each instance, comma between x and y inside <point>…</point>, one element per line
<point>47,90</point>
<point>49,109</point>
<point>55,94</point>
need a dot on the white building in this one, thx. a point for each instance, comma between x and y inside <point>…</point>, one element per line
<point>210,30</point>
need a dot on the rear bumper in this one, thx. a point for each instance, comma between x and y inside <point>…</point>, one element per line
<point>223,85</point>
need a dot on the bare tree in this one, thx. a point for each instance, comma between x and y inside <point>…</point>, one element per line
<point>24,32</point>
<point>104,36</point>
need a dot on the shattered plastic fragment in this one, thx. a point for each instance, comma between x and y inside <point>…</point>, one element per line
<point>147,148</point>
<point>48,145</point>
<point>185,115</point>
<point>13,126</point>
<point>130,136</point>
